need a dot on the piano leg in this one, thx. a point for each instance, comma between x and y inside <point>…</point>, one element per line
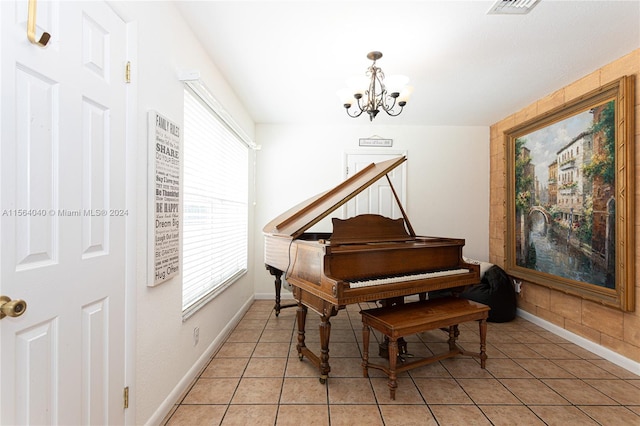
<point>325,333</point>
<point>301,316</point>
<point>453,336</point>
<point>307,300</point>
<point>277,273</point>
<point>322,361</point>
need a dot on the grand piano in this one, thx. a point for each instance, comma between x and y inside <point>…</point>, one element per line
<point>365,258</point>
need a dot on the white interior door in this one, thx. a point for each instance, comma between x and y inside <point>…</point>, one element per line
<point>63,216</point>
<point>378,198</point>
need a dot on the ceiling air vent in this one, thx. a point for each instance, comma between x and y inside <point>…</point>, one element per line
<point>512,7</point>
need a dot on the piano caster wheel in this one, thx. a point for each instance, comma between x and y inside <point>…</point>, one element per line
<point>300,357</point>
<point>323,379</point>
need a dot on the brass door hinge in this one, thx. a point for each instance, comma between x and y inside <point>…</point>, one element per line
<point>127,72</point>
<point>125,396</point>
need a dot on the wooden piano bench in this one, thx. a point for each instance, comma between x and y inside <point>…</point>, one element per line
<point>411,318</point>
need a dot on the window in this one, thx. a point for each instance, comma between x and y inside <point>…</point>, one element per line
<point>215,202</point>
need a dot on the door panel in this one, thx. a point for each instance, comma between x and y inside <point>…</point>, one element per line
<point>63,249</point>
<point>36,371</point>
<point>377,198</point>
<point>36,173</point>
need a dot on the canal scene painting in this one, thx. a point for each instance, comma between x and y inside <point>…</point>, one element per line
<point>570,191</point>
<point>565,198</point>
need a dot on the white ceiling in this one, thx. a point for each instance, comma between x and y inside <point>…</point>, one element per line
<point>286,59</point>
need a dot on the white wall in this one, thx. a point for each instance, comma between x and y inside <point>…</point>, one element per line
<point>447,178</point>
<point>165,356</point>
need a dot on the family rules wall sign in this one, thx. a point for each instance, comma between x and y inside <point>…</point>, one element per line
<point>164,197</point>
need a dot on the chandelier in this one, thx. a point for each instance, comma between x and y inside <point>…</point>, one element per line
<point>372,92</point>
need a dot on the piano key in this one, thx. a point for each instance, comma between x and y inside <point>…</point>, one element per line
<point>403,278</point>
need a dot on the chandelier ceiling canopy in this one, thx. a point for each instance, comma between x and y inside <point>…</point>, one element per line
<point>373,92</point>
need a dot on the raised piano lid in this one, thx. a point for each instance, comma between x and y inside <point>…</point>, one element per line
<point>295,221</point>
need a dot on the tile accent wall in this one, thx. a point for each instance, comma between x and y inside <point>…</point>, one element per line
<point>610,328</point>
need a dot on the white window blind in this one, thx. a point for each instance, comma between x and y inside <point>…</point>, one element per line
<point>215,204</point>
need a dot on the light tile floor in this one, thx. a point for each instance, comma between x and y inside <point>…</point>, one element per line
<point>533,377</point>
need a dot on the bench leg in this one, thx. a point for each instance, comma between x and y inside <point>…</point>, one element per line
<point>483,342</point>
<point>393,358</point>
<point>383,348</point>
<point>366,333</point>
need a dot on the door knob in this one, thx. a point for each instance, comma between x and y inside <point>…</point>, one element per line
<point>11,308</point>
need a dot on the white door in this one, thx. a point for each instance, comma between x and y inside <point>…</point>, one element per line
<point>63,214</point>
<point>378,198</point>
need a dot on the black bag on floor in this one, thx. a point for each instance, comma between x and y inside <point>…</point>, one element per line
<point>495,290</point>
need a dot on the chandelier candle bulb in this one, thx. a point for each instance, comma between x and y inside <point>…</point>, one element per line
<point>346,97</point>
<point>395,84</point>
<point>405,94</point>
<point>358,85</point>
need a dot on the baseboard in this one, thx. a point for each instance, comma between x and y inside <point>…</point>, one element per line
<point>197,367</point>
<point>597,349</point>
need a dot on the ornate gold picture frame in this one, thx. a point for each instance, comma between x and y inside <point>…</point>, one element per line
<point>570,197</point>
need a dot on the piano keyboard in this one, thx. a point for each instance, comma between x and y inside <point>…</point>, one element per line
<point>403,278</point>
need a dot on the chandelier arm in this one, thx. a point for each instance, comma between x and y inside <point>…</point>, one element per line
<point>362,104</point>
<point>354,115</point>
<point>390,112</point>
<point>357,114</point>
<point>386,107</point>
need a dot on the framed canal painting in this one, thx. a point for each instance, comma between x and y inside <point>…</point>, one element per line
<point>570,197</point>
